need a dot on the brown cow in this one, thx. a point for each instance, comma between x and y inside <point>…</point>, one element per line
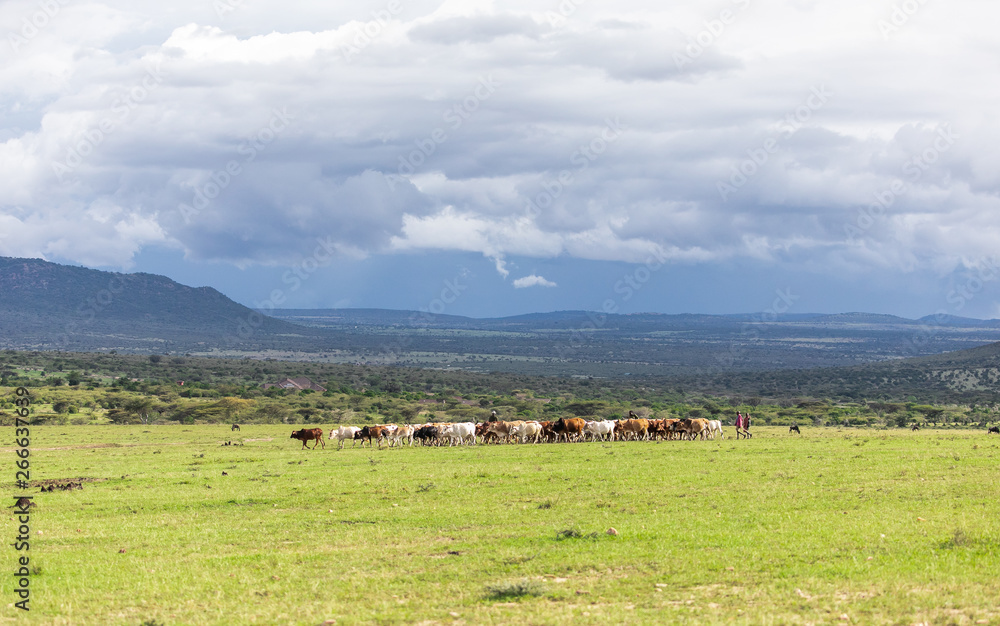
<point>308,434</point>
<point>683,428</point>
<point>548,434</point>
<point>502,429</point>
<point>631,428</point>
<point>566,427</point>
<point>692,428</point>
<point>701,427</point>
<point>378,433</point>
<point>656,430</point>
<point>482,430</point>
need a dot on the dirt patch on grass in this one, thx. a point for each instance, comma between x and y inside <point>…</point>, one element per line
<point>64,484</point>
<point>89,446</point>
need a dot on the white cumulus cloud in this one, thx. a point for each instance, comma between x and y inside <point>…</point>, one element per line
<point>532,281</point>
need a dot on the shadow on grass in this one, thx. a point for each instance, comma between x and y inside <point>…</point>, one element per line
<point>514,589</point>
<point>572,533</point>
<point>962,539</point>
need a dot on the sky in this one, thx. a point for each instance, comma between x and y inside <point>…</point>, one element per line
<point>486,158</point>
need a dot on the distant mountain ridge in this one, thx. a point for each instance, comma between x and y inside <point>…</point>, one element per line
<point>378,317</point>
<point>47,305</point>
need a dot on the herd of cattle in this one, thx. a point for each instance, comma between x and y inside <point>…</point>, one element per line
<point>497,431</point>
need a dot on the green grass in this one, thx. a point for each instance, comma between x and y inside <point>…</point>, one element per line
<point>881,526</point>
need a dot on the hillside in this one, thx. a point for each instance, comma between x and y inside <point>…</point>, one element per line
<point>970,375</point>
<point>45,305</point>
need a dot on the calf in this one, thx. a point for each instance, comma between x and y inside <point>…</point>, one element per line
<point>309,434</point>
<point>794,428</point>
<point>715,426</point>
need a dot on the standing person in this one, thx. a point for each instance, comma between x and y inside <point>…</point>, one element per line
<point>746,426</point>
<point>739,424</point>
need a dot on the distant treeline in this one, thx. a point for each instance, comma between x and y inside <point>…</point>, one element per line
<point>100,388</point>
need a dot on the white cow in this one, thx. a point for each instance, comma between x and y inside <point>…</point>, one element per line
<point>526,430</point>
<point>343,433</point>
<point>715,426</point>
<point>462,432</point>
<point>599,430</point>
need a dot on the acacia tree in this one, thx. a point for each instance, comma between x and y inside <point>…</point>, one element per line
<point>232,407</point>
<point>142,408</point>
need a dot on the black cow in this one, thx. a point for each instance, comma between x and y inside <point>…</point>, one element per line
<point>994,429</point>
<point>915,427</point>
<point>794,428</point>
<point>236,427</point>
<point>427,432</point>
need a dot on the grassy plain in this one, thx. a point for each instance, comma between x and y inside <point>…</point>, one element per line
<point>834,526</point>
